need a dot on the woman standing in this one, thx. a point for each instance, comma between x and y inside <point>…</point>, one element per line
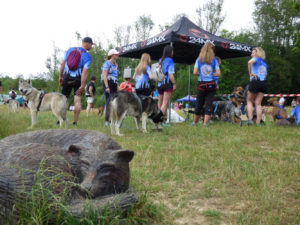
<point>206,67</point>
<point>110,73</point>
<point>167,85</point>
<point>142,76</point>
<point>258,70</point>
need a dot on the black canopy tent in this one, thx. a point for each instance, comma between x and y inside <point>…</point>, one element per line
<point>187,39</point>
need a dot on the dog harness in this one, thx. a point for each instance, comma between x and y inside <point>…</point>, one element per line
<point>278,113</point>
<point>40,102</point>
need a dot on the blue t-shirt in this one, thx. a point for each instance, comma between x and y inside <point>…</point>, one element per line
<point>85,62</point>
<point>112,70</point>
<point>296,113</point>
<point>142,80</point>
<point>206,71</point>
<point>168,67</point>
<point>259,69</point>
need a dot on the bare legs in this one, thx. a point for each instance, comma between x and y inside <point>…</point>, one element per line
<point>77,107</point>
<point>163,101</point>
<point>255,98</point>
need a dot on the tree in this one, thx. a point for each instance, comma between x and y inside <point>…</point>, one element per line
<point>123,35</point>
<point>143,27</point>
<point>210,16</point>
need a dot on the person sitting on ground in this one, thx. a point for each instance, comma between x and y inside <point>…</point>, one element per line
<point>282,101</point>
<point>126,85</point>
<point>12,94</point>
<point>296,112</point>
<point>90,94</point>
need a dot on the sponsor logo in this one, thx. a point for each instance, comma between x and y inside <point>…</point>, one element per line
<point>240,47</point>
<point>143,44</point>
<point>157,39</point>
<point>183,38</point>
<point>224,45</point>
<point>129,47</point>
<point>198,33</point>
<point>195,40</point>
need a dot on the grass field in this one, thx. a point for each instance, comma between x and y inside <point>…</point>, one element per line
<point>221,174</point>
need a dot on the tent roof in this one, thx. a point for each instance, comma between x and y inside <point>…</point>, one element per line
<point>187,39</point>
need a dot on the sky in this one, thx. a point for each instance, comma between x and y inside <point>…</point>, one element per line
<point>31,28</point>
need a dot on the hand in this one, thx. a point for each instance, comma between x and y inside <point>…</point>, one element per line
<point>252,75</point>
<point>61,80</point>
<point>174,87</point>
<point>79,91</point>
<point>107,90</point>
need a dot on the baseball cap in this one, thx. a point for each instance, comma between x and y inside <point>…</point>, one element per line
<point>113,52</point>
<point>88,40</point>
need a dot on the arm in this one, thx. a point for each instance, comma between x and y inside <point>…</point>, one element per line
<point>61,71</point>
<point>217,73</point>
<point>83,79</point>
<point>196,72</point>
<point>172,79</point>
<point>122,87</point>
<point>105,80</point>
<point>251,61</point>
<point>91,91</point>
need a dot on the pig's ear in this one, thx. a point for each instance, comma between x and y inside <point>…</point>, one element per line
<point>125,155</point>
<point>73,150</point>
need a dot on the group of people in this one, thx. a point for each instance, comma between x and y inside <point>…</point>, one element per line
<point>206,68</point>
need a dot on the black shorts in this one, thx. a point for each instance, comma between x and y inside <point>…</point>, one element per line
<point>70,83</point>
<point>256,86</point>
<point>143,91</point>
<point>166,87</point>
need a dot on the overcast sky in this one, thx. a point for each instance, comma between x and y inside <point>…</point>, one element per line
<point>29,28</point>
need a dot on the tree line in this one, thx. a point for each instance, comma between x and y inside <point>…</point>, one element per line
<point>276,30</point>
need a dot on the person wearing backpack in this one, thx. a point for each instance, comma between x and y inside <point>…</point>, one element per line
<point>89,94</point>
<point>167,85</point>
<point>73,73</point>
<point>110,73</point>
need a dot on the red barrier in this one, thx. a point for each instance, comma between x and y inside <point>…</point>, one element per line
<point>271,95</point>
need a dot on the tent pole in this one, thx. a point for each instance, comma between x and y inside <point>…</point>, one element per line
<point>189,93</point>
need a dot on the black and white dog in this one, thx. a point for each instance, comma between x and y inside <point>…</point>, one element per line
<point>123,103</point>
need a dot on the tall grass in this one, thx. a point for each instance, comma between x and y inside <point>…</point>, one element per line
<point>222,174</point>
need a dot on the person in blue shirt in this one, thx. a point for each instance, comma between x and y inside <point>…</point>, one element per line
<point>110,73</point>
<point>258,70</point>
<point>75,79</point>
<point>167,85</point>
<point>206,68</point>
<point>142,76</point>
<point>296,112</point>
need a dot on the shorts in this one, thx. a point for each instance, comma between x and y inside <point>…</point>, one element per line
<point>70,83</point>
<point>168,87</point>
<point>256,86</point>
<point>143,91</point>
<point>90,100</point>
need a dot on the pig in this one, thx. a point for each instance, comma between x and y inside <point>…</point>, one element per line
<point>92,159</point>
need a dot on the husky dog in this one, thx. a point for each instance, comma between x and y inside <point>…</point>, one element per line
<point>38,101</point>
<point>13,104</point>
<point>122,103</point>
<point>230,109</point>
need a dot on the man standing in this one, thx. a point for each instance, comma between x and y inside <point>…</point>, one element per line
<point>73,73</point>
<point>89,94</point>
